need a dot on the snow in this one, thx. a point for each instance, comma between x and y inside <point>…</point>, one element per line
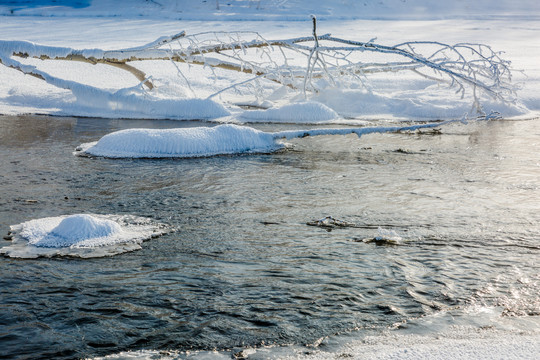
<point>80,235</point>
<point>190,142</point>
<point>136,103</point>
<point>459,344</point>
<point>499,346</point>
<point>225,139</point>
<point>302,112</point>
<point>433,102</point>
<point>79,89</point>
<point>81,230</point>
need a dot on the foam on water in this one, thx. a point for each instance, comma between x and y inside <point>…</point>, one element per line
<point>80,235</point>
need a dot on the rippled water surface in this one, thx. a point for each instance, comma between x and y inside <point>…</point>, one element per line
<point>242,267</point>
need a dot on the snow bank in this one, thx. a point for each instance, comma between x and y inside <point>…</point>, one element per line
<point>432,102</point>
<point>187,142</point>
<point>130,102</point>
<point>297,113</point>
<point>31,49</point>
<point>80,235</point>
<point>124,24</point>
<point>136,103</point>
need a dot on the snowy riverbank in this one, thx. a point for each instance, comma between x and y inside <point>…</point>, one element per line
<point>389,96</point>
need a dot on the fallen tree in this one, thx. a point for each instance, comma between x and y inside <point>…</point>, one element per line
<point>305,64</point>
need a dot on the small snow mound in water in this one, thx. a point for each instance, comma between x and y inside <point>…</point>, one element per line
<point>184,142</point>
<point>76,228</point>
<point>385,237</point>
<point>81,235</point>
<point>304,112</point>
<point>388,236</point>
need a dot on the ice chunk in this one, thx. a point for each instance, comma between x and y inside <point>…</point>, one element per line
<point>185,142</point>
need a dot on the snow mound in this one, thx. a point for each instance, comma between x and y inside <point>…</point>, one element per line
<point>388,236</point>
<point>185,142</point>
<point>304,112</point>
<point>80,235</point>
<point>75,230</point>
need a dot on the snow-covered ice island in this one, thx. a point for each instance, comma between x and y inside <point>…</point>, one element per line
<point>225,139</point>
<point>80,235</point>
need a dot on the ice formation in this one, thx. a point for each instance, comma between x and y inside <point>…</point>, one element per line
<point>210,141</point>
<point>186,142</point>
<point>80,235</point>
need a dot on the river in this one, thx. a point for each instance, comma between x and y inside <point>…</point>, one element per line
<point>242,268</point>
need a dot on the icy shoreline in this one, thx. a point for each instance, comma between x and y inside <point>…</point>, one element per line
<point>461,343</point>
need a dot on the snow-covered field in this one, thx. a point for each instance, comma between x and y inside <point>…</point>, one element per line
<point>187,92</point>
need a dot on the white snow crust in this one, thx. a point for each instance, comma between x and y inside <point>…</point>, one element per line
<point>185,142</point>
<point>297,113</point>
<point>80,235</point>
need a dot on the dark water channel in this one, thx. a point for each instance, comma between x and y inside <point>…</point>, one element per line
<point>243,268</point>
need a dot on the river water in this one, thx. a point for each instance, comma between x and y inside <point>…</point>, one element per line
<point>243,269</point>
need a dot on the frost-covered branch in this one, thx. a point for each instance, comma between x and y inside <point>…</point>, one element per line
<point>471,69</point>
<point>359,131</point>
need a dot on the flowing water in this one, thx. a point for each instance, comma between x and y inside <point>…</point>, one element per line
<point>243,269</point>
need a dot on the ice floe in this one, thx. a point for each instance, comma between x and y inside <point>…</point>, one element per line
<point>185,142</point>
<point>80,235</point>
